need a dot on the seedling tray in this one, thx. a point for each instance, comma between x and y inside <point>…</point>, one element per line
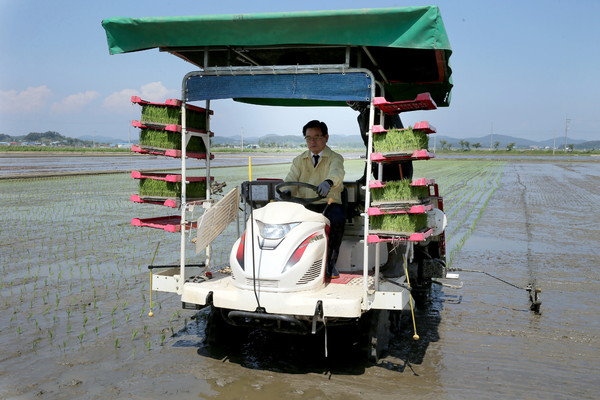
<point>401,141</point>
<point>399,192</point>
<point>161,139</point>
<point>422,126</point>
<point>168,152</point>
<point>160,187</point>
<point>399,223</point>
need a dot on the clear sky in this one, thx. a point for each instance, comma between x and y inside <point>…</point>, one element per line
<point>520,68</point>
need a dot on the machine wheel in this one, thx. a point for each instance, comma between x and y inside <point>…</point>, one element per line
<point>219,333</point>
<point>376,334</point>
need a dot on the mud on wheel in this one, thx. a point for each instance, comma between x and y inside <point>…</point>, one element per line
<point>375,334</point>
<point>220,333</point>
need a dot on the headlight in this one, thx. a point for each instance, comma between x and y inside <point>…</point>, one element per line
<point>275,231</point>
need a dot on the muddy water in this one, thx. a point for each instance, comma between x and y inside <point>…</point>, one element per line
<point>478,342</point>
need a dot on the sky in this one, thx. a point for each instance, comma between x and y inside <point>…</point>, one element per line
<point>526,69</point>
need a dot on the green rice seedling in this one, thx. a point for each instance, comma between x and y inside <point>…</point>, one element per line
<point>167,140</point>
<point>395,141</point>
<point>172,116</point>
<point>400,191</point>
<point>159,188</point>
<point>399,223</point>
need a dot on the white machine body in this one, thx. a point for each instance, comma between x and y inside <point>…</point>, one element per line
<point>283,249</point>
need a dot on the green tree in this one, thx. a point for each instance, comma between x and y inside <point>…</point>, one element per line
<point>476,145</point>
<point>510,146</point>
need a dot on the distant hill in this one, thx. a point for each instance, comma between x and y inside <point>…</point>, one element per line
<point>593,144</point>
<point>107,140</point>
<point>488,141</point>
<point>49,138</point>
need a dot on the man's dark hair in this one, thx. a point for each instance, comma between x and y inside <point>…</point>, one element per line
<point>316,124</point>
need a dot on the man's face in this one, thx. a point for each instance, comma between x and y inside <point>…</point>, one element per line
<point>315,141</point>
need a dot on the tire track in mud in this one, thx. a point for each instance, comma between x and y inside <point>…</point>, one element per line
<point>527,217</point>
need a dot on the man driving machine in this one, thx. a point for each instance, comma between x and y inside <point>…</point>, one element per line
<point>322,167</point>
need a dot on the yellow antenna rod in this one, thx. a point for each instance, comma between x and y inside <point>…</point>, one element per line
<point>250,169</point>
<point>151,314</point>
<point>410,298</point>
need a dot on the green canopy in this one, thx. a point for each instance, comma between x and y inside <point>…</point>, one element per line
<point>406,48</point>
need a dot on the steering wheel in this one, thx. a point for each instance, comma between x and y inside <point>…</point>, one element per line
<point>287,196</point>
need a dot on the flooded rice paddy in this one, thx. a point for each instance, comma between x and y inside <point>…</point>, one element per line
<point>74,298</point>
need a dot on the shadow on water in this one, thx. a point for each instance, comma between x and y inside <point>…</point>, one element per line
<point>302,354</point>
<point>404,351</point>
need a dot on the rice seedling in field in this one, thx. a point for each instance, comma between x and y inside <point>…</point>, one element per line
<point>170,115</point>
<point>400,140</point>
<point>164,189</point>
<point>400,223</point>
<point>80,225</point>
<point>400,191</point>
<point>162,139</point>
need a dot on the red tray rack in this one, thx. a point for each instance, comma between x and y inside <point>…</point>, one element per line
<point>169,103</point>
<point>409,237</point>
<point>165,127</point>
<point>423,101</point>
<point>171,223</point>
<point>415,155</point>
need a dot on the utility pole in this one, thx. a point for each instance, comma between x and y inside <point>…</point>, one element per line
<point>567,121</point>
<point>492,136</point>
